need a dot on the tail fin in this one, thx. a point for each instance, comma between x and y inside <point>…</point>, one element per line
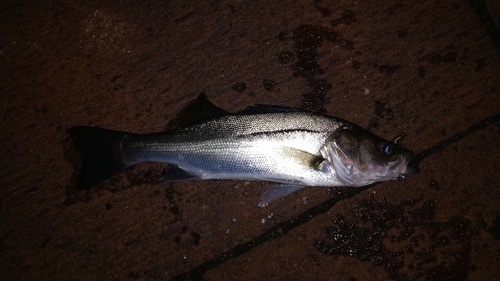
<point>102,154</point>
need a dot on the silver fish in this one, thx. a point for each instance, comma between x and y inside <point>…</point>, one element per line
<point>290,146</point>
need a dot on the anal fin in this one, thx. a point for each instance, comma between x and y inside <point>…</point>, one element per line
<point>275,192</point>
<point>176,174</point>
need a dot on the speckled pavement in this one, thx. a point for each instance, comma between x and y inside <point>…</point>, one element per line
<point>426,71</point>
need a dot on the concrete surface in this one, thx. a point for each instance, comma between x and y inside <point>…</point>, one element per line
<point>424,70</point>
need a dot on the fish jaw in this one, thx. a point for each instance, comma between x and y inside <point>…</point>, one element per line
<point>400,170</point>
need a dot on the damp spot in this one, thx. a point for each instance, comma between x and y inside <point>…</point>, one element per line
<point>356,64</point>
<point>268,84</point>
<point>337,191</point>
<point>420,129</point>
<point>450,56</point>
<point>389,235</point>
<point>349,45</point>
<point>315,99</point>
<point>196,237</point>
<point>380,112</point>
<point>137,175</point>
<point>286,57</point>
<point>239,87</point>
<point>173,230</point>
<point>347,17</point>
<point>389,68</point>
<point>283,36</point>
<point>307,39</point>
<point>324,11</point>
<point>182,236</point>
<point>173,197</point>
<point>108,206</point>
<point>446,55</point>
<point>115,78</point>
<point>373,124</point>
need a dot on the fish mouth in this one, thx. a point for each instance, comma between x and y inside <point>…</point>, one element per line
<point>403,170</point>
<point>410,170</point>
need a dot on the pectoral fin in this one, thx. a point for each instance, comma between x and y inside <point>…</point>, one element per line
<point>309,160</point>
<point>275,192</point>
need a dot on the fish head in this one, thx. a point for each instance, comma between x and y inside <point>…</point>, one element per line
<point>361,158</point>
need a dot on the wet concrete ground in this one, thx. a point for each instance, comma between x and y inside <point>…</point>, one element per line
<point>425,71</point>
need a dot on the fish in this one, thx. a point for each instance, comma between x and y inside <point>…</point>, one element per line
<point>292,147</point>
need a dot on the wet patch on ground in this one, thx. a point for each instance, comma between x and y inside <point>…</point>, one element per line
<point>404,239</point>
<point>307,40</point>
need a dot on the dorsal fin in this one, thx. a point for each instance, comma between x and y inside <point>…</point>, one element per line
<point>264,108</point>
<point>196,111</point>
<point>201,109</point>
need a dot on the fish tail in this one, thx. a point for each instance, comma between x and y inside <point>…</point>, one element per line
<point>101,152</point>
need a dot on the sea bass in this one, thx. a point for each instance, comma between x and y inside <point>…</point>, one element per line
<point>289,146</point>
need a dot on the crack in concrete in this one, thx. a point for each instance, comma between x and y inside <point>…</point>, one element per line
<point>482,13</point>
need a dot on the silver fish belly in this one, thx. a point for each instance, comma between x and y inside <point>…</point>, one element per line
<point>285,145</point>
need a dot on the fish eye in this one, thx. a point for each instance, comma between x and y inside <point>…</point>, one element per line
<point>385,148</point>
